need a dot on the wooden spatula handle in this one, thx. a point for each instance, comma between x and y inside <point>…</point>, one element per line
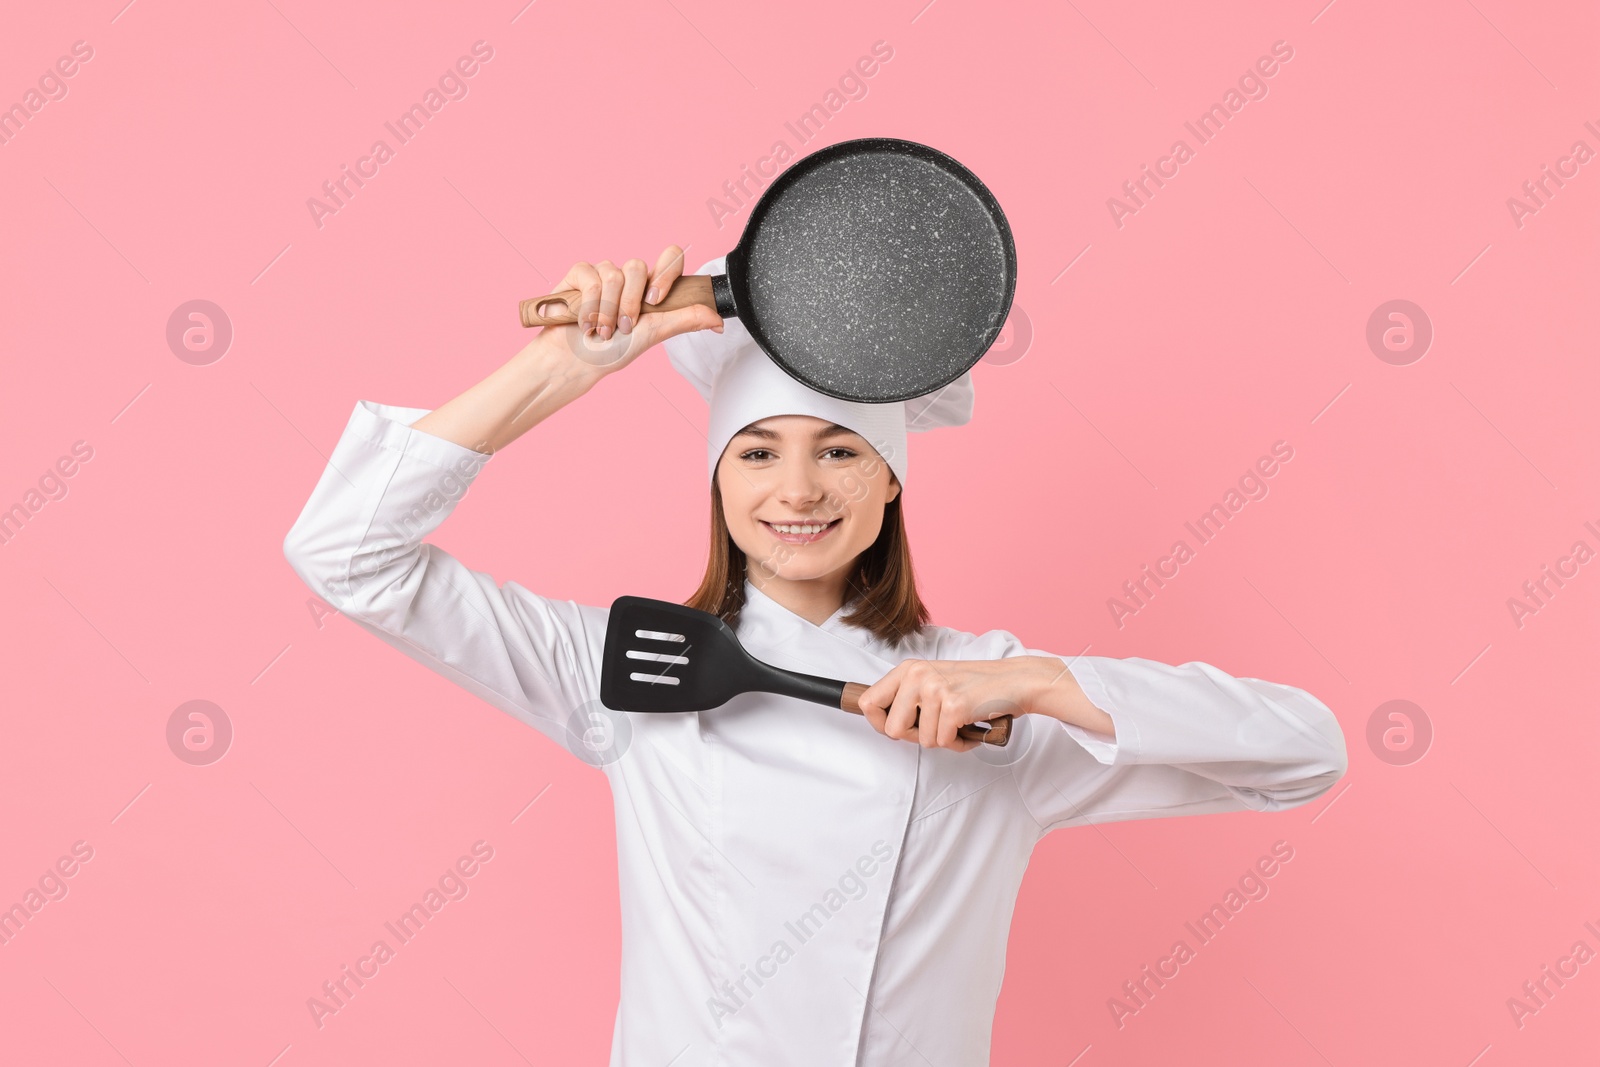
<point>998,733</point>
<point>688,289</point>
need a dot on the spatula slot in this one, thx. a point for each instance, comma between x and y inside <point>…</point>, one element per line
<point>656,657</point>
<point>654,679</point>
<point>658,635</point>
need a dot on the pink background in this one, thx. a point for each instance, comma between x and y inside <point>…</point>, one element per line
<point>1228,313</point>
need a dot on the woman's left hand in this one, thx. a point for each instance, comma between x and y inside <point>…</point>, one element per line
<point>929,700</point>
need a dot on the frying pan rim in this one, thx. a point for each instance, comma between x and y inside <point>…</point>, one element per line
<point>736,260</point>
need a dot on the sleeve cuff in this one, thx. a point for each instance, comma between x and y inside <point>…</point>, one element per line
<point>389,426</point>
<point>1125,748</point>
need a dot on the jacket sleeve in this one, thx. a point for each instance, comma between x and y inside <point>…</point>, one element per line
<point>359,545</point>
<point>1190,740</point>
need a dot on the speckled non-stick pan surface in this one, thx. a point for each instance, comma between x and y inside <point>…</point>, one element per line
<point>875,270</point>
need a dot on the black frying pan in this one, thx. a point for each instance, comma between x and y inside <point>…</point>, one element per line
<point>873,270</point>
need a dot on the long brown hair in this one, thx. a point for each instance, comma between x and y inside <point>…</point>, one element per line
<point>881,585</point>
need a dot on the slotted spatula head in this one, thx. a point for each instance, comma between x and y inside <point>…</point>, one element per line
<point>662,657</point>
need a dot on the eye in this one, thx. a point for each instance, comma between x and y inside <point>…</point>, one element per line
<point>844,453</point>
<point>755,455</point>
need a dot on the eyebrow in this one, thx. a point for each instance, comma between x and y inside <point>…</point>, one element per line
<point>833,429</point>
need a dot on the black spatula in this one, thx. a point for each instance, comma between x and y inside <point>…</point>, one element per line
<point>664,657</point>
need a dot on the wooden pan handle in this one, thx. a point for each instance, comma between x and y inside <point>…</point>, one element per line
<point>688,289</point>
<point>998,732</point>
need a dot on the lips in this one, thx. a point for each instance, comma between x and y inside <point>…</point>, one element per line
<point>800,533</point>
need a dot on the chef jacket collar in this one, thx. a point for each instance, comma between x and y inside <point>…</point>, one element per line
<point>762,604</point>
<point>835,649</point>
<point>776,624</point>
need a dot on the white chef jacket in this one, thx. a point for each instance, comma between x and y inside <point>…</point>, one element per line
<point>796,888</point>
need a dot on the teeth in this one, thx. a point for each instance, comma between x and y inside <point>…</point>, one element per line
<point>805,528</point>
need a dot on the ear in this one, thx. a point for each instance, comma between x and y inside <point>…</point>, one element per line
<point>894,488</point>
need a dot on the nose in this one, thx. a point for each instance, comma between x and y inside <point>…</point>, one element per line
<point>800,485</point>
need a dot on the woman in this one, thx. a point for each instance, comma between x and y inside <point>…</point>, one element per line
<point>798,885</point>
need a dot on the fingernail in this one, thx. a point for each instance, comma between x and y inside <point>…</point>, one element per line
<point>624,324</point>
<point>605,333</point>
<point>653,296</point>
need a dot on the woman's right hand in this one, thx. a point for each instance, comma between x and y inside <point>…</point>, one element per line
<point>610,332</point>
<point>562,363</point>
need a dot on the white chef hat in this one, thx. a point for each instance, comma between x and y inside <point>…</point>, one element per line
<point>742,385</point>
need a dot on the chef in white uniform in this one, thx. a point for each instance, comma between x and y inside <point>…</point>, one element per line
<point>798,885</point>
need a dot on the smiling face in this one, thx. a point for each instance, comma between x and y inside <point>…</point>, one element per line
<point>802,498</point>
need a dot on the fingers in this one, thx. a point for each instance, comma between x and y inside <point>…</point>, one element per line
<point>874,715</point>
<point>611,280</point>
<point>901,724</point>
<point>586,280</point>
<point>873,702</point>
<point>611,299</point>
<point>917,701</point>
<point>928,725</point>
<point>929,702</point>
<point>658,326</point>
<point>600,289</point>
<point>877,697</point>
<point>634,276</point>
<point>948,713</point>
<point>669,267</point>
<point>952,717</point>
